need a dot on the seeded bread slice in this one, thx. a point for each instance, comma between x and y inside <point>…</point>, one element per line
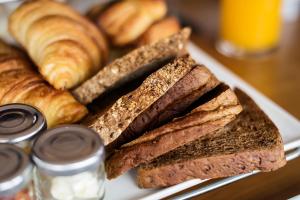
<point>138,62</point>
<point>214,110</point>
<point>112,124</point>
<point>251,142</point>
<point>175,101</point>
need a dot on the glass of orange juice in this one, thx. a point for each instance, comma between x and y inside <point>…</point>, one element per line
<point>249,27</point>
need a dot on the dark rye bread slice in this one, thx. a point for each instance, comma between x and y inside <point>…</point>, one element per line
<point>118,117</point>
<point>251,142</point>
<point>213,111</point>
<point>136,63</point>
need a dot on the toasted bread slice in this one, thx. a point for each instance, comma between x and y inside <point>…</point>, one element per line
<point>141,61</point>
<point>162,96</point>
<point>214,110</point>
<point>251,142</point>
<point>123,112</point>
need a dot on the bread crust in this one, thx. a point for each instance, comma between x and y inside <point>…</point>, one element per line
<point>211,167</point>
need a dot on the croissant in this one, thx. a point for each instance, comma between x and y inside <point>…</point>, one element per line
<point>160,30</point>
<point>20,84</point>
<point>65,46</point>
<point>127,20</point>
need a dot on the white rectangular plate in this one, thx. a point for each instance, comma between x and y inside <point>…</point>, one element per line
<point>125,187</point>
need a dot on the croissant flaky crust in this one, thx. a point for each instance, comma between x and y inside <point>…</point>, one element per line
<point>66,47</point>
<point>160,30</point>
<point>20,84</point>
<point>126,21</point>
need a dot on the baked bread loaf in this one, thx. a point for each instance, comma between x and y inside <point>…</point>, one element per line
<point>159,30</point>
<point>251,142</point>
<point>65,46</point>
<point>20,84</point>
<point>126,109</point>
<point>214,110</point>
<point>125,21</point>
<point>138,62</point>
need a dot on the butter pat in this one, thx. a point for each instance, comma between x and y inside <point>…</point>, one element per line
<point>61,188</point>
<point>83,185</point>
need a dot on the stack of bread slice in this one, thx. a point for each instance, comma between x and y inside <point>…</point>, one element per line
<point>250,142</point>
<point>180,122</point>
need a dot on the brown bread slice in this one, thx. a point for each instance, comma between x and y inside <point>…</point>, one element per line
<point>251,142</point>
<point>215,109</point>
<point>138,62</point>
<point>112,124</point>
<point>151,111</point>
<point>184,92</point>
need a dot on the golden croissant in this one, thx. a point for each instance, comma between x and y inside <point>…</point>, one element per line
<point>160,30</point>
<point>20,84</point>
<point>65,46</point>
<point>126,21</point>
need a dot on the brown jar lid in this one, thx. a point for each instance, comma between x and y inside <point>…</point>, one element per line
<point>67,150</point>
<point>20,122</point>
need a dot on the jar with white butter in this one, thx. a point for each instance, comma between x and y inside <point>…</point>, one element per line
<point>69,164</point>
<point>15,174</point>
<point>20,124</point>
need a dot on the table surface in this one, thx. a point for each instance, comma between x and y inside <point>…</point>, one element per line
<point>276,75</point>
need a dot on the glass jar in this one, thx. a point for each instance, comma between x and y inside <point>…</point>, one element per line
<point>15,174</point>
<point>69,164</point>
<point>20,124</point>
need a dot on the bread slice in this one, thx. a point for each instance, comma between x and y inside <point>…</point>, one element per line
<point>214,110</point>
<point>251,142</point>
<point>161,97</point>
<point>111,125</point>
<point>138,62</point>
<point>175,101</point>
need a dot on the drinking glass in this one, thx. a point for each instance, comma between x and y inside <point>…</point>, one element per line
<point>249,27</point>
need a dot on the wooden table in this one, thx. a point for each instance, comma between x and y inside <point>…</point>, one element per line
<point>276,75</point>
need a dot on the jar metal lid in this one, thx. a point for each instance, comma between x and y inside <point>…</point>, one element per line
<point>15,169</point>
<point>19,122</point>
<point>67,150</point>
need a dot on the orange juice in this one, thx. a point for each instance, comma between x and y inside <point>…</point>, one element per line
<point>251,25</point>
